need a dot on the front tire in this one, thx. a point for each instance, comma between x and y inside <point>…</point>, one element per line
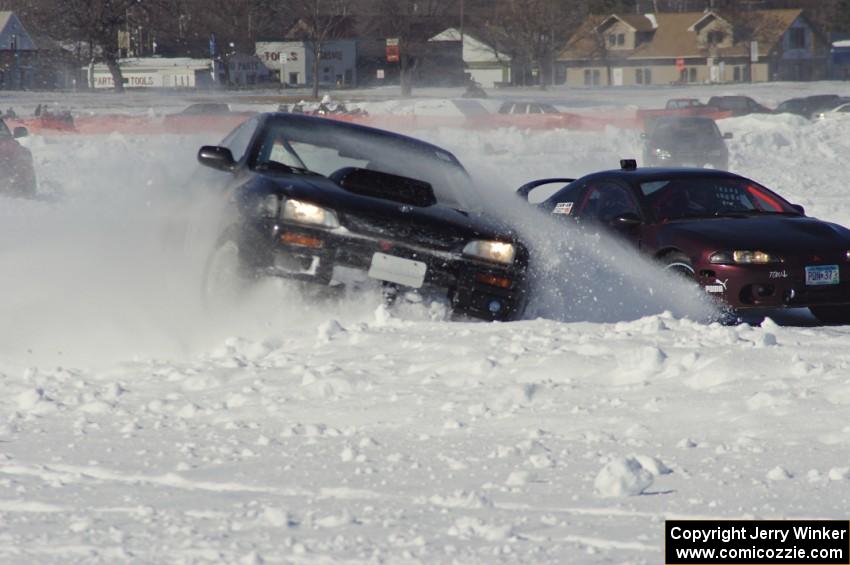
<point>225,278</point>
<point>837,315</point>
<point>680,264</point>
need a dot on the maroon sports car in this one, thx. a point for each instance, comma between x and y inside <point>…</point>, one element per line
<point>17,174</point>
<point>740,241</point>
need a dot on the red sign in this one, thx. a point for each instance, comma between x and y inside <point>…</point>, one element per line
<point>392,50</point>
<point>680,64</point>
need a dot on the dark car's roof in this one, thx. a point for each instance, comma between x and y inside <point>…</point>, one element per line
<point>681,119</point>
<point>735,98</point>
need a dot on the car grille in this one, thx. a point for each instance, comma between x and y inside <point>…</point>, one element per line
<point>392,229</point>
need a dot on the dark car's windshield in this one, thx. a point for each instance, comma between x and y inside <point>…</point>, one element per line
<point>685,128</point>
<point>700,197</point>
<point>325,147</point>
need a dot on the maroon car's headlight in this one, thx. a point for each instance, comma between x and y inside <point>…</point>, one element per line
<point>744,257</point>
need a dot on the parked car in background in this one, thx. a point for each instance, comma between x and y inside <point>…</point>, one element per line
<point>810,106</point>
<point>683,103</point>
<point>839,113</point>
<point>527,108</point>
<point>738,105</point>
<point>205,109</point>
<point>685,141</point>
<point>740,241</point>
<point>16,164</point>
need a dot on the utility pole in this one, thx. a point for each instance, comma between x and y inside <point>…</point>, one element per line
<point>461,24</point>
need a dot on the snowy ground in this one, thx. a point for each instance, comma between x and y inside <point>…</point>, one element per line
<point>138,428</point>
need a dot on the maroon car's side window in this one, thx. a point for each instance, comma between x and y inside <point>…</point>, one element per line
<point>605,201</point>
<point>764,201</point>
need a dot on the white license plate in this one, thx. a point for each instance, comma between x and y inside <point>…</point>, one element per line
<point>822,275</point>
<point>398,270</point>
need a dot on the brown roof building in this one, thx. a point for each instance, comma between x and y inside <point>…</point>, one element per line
<point>694,47</point>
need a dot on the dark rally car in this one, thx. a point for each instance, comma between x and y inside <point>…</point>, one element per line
<point>686,141</point>
<point>331,202</point>
<point>740,241</point>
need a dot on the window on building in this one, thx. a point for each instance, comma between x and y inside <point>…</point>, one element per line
<point>688,75</point>
<point>616,39</point>
<point>715,37</point>
<point>797,38</point>
<point>293,78</point>
<point>643,76</point>
<point>736,74</point>
<point>591,77</point>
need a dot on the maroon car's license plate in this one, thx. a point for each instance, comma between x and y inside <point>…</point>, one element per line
<point>822,275</point>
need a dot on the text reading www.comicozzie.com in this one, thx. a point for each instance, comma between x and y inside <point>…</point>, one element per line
<point>757,542</point>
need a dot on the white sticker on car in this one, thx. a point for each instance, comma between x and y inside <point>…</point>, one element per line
<point>718,288</point>
<point>565,208</point>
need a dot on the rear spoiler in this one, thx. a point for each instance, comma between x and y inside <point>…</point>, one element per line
<point>528,187</point>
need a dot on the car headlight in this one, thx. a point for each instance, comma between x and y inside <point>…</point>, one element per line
<point>662,153</point>
<point>744,257</point>
<point>301,212</point>
<point>495,251</point>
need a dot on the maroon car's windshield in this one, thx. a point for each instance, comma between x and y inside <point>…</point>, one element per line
<point>701,197</point>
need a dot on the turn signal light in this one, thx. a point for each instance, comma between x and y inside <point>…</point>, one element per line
<point>493,280</point>
<point>302,240</point>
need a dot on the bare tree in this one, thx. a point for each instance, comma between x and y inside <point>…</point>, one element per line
<point>534,31</point>
<point>320,21</point>
<point>96,23</point>
<point>412,23</point>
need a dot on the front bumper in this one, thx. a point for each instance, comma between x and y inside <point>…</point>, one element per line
<point>773,286</point>
<point>474,288</point>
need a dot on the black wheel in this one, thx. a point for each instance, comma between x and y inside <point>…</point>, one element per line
<point>831,314</point>
<point>226,275</point>
<point>680,264</point>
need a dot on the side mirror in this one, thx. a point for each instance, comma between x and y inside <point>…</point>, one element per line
<point>215,157</point>
<point>799,209</point>
<point>626,220</point>
<point>19,132</point>
<point>728,135</point>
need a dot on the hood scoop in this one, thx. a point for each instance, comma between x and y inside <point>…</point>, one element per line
<point>385,186</point>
